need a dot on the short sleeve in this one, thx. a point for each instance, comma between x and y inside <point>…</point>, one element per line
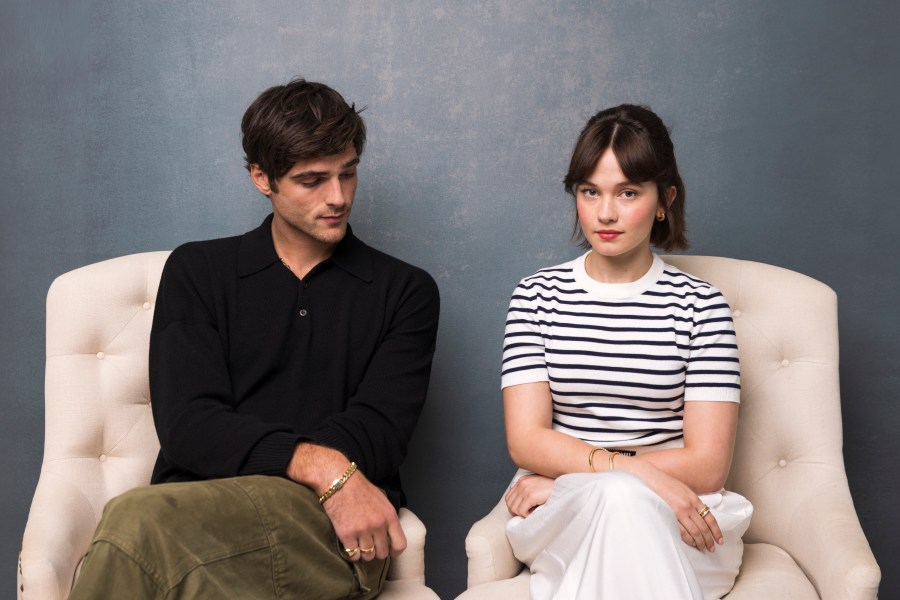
<point>713,368</point>
<point>523,344</point>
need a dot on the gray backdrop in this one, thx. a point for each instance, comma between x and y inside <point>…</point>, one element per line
<point>120,133</point>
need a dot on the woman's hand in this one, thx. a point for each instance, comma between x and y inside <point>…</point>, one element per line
<point>527,494</point>
<point>702,532</point>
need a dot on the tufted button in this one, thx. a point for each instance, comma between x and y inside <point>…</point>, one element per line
<point>303,312</point>
<point>736,313</point>
<point>146,306</point>
<point>785,362</point>
<point>782,463</point>
<point>101,355</point>
<point>102,458</point>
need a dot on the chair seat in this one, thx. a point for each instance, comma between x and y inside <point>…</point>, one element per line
<point>505,589</point>
<point>769,572</point>
<point>406,590</point>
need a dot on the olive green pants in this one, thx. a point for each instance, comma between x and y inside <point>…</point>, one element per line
<point>246,537</point>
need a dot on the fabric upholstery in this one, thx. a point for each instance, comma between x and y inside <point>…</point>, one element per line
<point>99,434</point>
<point>805,540</point>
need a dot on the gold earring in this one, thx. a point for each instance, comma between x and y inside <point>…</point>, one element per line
<point>661,216</point>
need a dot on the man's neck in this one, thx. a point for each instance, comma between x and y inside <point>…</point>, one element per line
<point>299,252</point>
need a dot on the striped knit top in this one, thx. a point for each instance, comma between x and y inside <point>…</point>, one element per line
<point>621,359</point>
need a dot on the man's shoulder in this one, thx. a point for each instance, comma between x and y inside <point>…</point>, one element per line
<point>206,253</point>
<point>203,263</point>
<point>385,265</point>
<point>214,247</point>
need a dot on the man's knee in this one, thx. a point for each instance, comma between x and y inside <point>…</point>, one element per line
<point>133,510</point>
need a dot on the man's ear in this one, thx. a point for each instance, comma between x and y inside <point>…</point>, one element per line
<point>260,180</point>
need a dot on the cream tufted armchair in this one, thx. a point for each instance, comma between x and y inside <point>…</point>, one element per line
<point>805,540</point>
<point>100,439</point>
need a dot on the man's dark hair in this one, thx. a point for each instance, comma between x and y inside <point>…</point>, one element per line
<point>643,148</point>
<point>298,121</point>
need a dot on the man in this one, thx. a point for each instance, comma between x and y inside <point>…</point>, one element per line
<point>288,367</point>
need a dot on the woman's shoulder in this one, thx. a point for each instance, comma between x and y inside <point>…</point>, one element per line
<point>561,273</point>
<point>687,283</point>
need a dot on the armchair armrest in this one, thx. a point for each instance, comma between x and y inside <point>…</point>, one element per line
<point>60,526</point>
<point>490,555</point>
<point>411,564</point>
<point>828,543</point>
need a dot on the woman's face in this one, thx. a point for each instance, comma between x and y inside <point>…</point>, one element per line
<point>616,215</point>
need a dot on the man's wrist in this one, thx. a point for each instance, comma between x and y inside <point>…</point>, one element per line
<point>338,483</point>
<point>316,466</point>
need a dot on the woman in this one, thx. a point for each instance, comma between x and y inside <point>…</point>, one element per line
<point>621,387</point>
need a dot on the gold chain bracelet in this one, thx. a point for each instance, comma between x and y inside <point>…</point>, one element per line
<point>338,483</point>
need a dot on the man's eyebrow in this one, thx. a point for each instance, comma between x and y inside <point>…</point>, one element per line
<point>305,174</point>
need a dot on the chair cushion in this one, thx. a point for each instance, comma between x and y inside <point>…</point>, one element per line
<point>506,589</point>
<point>769,572</point>
<point>406,590</point>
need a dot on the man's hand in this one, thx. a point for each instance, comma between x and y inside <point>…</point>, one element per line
<point>361,514</point>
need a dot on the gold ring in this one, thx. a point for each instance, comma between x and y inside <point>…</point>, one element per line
<point>367,550</point>
<point>351,552</point>
<point>703,511</point>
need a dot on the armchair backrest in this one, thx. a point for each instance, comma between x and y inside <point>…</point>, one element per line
<point>789,435</point>
<point>99,427</point>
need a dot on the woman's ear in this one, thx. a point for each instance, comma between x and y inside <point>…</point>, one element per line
<point>670,196</point>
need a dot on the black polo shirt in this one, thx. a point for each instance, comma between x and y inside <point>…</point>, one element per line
<point>246,360</point>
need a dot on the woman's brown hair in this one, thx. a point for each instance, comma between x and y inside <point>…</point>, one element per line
<point>642,146</point>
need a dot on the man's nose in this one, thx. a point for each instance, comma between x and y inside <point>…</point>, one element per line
<point>335,193</point>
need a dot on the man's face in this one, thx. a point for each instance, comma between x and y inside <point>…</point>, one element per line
<point>313,199</point>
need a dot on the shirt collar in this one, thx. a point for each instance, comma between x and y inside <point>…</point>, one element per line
<point>257,252</point>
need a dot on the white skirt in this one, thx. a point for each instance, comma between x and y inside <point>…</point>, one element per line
<point>609,536</point>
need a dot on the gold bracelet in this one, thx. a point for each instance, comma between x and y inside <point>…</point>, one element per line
<point>338,483</point>
<point>612,455</point>
<point>591,458</point>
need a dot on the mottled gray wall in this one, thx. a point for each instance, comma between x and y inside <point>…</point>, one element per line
<point>119,134</point>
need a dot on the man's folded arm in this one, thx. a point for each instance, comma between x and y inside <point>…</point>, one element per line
<point>381,415</point>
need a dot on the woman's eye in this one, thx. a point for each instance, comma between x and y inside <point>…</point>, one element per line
<point>589,192</point>
<point>629,194</point>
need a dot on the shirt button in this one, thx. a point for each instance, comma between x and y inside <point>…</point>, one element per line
<point>782,463</point>
<point>303,312</point>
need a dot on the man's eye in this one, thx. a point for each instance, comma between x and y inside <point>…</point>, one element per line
<point>348,175</point>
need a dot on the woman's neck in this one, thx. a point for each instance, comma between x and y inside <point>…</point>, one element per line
<point>617,269</point>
